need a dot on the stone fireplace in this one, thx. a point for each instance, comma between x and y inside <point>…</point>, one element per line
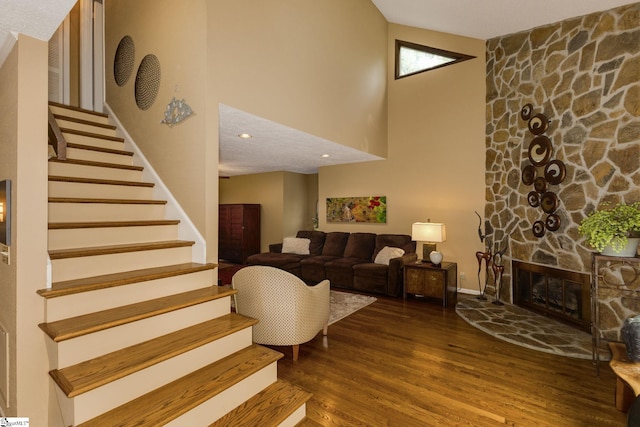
<point>580,73</point>
<point>561,294</point>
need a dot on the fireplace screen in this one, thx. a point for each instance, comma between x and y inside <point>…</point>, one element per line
<point>550,291</point>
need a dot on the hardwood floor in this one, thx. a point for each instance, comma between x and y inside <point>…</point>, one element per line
<point>411,363</point>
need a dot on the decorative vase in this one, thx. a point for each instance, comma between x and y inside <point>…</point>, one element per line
<point>629,251</point>
<point>435,257</point>
<point>630,333</point>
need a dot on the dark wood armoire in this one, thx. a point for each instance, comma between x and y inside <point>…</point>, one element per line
<point>239,232</point>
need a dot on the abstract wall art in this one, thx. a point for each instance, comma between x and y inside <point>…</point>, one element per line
<point>371,209</point>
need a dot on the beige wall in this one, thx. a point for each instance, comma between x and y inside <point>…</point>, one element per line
<point>287,201</point>
<point>435,164</point>
<point>264,189</point>
<point>319,67</point>
<point>177,36</point>
<point>23,159</point>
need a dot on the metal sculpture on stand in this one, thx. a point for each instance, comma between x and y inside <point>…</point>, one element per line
<point>498,270</point>
<point>486,256</point>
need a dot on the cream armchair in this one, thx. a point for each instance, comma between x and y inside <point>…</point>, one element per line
<point>289,312</point>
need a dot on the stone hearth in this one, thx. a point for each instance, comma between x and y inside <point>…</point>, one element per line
<point>522,327</point>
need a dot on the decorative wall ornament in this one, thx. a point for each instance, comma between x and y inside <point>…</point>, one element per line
<point>124,60</point>
<point>176,111</point>
<point>357,209</point>
<point>539,153</point>
<point>147,82</point>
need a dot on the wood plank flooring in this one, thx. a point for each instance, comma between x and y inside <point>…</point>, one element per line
<point>412,363</point>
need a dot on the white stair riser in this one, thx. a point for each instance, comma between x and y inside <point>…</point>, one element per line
<point>93,141</point>
<point>79,349</point>
<point>95,402</point>
<point>99,191</point>
<point>83,212</point>
<point>94,172</point>
<point>103,299</point>
<point>66,124</point>
<point>79,114</point>
<point>91,237</point>
<point>224,402</point>
<point>88,266</point>
<point>98,156</point>
<point>297,416</point>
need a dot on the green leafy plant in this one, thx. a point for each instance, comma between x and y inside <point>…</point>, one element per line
<point>611,226</point>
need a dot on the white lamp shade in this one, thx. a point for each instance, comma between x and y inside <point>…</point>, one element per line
<point>428,232</point>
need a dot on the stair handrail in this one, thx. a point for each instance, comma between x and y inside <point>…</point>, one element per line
<point>56,138</point>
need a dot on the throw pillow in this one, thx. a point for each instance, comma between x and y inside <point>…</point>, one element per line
<point>388,252</point>
<point>295,245</point>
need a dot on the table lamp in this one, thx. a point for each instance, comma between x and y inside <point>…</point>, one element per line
<point>429,233</point>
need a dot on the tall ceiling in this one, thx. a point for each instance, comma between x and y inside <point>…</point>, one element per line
<point>268,150</point>
<point>486,19</point>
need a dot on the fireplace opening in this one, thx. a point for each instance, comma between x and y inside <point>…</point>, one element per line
<point>561,294</point>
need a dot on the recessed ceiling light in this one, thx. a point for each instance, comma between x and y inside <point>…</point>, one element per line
<point>245,135</point>
<point>324,156</point>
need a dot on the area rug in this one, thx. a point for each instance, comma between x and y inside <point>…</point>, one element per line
<point>519,326</point>
<point>344,303</point>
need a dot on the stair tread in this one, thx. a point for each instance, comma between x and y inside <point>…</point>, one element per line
<point>86,284</point>
<point>97,164</point>
<point>82,110</point>
<point>89,375</point>
<point>91,134</point>
<point>100,149</point>
<point>268,408</point>
<point>117,249</point>
<point>178,397</point>
<point>63,117</point>
<point>73,327</point>
<point>108,201</point>
<point>109,224</point>
<point>99,181</point>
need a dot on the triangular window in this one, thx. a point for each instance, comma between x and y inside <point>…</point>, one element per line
<point>412,58</point>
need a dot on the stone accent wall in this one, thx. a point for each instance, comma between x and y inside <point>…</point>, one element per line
<point>583,74</point>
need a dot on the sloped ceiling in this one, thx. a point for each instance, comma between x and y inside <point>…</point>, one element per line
<point>486,19</point>
<point>35,18</point>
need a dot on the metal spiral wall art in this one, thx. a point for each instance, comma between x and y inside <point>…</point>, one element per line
<point>541,172</point>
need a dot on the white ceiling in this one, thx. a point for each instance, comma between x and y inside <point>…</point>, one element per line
<point>486,19</point>
<point>275,147</point>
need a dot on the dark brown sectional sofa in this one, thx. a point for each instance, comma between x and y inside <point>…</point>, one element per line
<point>346,259</point>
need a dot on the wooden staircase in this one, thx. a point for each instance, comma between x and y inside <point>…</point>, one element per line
<point>137,333</point>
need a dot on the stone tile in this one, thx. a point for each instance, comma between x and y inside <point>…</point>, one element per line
<point>525,328</point>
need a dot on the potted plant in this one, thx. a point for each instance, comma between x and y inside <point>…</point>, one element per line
<point>613,230</point>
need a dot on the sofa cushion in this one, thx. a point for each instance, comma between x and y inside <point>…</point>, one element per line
<point>316,238</point>
<point>360,246</point>
<point>402,241</point>
<point>279,260</point>
<point>312,268</point>
<point>334,243</point>
<point>340,271</point>
<point>371,277</point>
<point>387,253</point>
<point>295,245</point>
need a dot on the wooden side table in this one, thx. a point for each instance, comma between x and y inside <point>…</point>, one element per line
<point>428,280</point>
<point>627,376</point>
